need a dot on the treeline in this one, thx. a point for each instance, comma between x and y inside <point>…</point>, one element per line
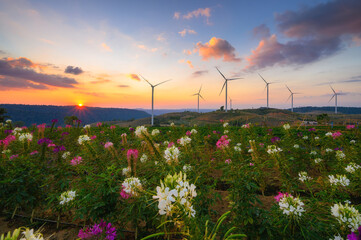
<point>342,110</point>
<point>29,114</point>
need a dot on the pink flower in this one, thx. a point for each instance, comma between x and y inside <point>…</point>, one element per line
<point>108,144</point>
<point>14,156</point>
<point>188,133</point>
<point>222,121</point>
<point>228,161</point>
<point>170,144</point>
<point>24,127</point>
<point>251,164</point>
<point>99,124</point>
<point>261,144</point>
<point>51,145</point>
<point>59,128</point>
<point>223,142</point>
<point>93,137</point>
<point>336,134</point>
<point>41,127</point>
<point>123,194</point>
<point>101,132</point>
<point>212,160</point>
<point>75,161</point>
<point>112,127</point>
<point>35,152</point>
<point>350,126</point>
<point>68,126</point>
<point>132,152</point>
<point>281,195</point>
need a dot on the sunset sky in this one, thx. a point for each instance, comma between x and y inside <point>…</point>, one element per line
<point>91,52</point>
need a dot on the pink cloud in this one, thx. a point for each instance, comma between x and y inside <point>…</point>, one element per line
<point>176,15</point>
<point>133,76</point>
<point>185,31</point>
<point>217,48</point>
<point>205,12</point>
<point>106,47</point>
<point>189,64</point>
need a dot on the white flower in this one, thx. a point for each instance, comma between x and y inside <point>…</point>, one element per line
<point>305,137</point>
<point>155,132</point>
<point>65,155</point>
<point>143,158</point>
<point>286,126</point>
<point>184,141</point>
<point>347,216</point>
<point>172,124</point>
<point>193,131</point>
<point>250,150</point>
<point>291,206</point>
<point>225,131</point>
<point>25,137</point>
<point>313,153</point>
<point>296,146</point>
<point>132,186</point>
<point>317,138</point>
<point>340,155</point>
<point>87,126</point>
<point>329,134</point>
<point>7,151</point>
<point>336,237</point>
<point>125,171</point>
<point>225,124</point>
<point>8,121</point>
<point>339,180</point>
<point>328,150</point>
<point>67,196</point>
<point>352,167</point>
<point>352,142</point>
<point>172,154</point>
<point>17,130</point>
<point>28,234</point>
<point>318,160</point>
<point>303,176</point>
<point>187,168</point>
<point>83,138</point>
<point>237,149</point>
<point>273,149</point>
<point>140,130</point>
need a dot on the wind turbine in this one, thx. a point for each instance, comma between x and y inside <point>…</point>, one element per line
<point>153,86</point>
<point>230,103</point>
<point>199,95</point>
<point>226,84</point>
<point>267,86</point>
<point>291,96</point>
<point>334,96</point>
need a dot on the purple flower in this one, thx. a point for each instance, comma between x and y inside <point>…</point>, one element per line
<point>64,133</point>
<point>44,141</point>
<point>54,120</point>
<point>34,152</point>
<point>275,139</point>
<point>14,156</point>
<point>311,130</point>
<point>131,129</point>
<point>59,149</point>
<point>8,131</point>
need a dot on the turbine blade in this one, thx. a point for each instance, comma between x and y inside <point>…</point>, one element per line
<point>264,89</point>
<point>231,79</point>
<point>162,82</point>
<point>288,89</point>
<point>200,89</point>
<point>263,78</point>
<point>221,74</point>
<point>289,97</point>
<point>195,94</point>
<point>223,87</point>
<point>333,89</point>
<point>201,97</point>
<point>331,98</point>
<point>146,80</point>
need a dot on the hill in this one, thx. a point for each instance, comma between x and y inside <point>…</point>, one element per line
<point>261,116</point>
<point>341,110</point>
<point>29,114</point>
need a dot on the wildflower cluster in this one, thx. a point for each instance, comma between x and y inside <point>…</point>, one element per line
<point>132,186</point>
<point>102,230</point>
<point>184,140</point>
<point>171,154</point>
<point>67,196</point>
<point>83,138</point>
<point>303,177</point>
<point>273,149</point>
<point>291,206</point>
<point>352,167</point>
<point>339,180</point>
<point>140,130</point>
<point>347,216</point>
<point>25,137</point>
<point>223,142</point>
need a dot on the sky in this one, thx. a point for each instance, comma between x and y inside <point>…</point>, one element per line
<point>96,52</point>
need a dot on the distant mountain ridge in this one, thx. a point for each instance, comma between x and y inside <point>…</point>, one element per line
<point>329,110</point>
<point>30,114</point>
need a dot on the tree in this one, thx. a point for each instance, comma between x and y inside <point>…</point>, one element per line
<point>323,118</point>
<point>70,120</point>
<point>2,114</point>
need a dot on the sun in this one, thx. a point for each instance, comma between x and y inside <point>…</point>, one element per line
<point>80,104</point>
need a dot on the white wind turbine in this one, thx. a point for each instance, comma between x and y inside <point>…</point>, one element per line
<point>226,84</point>
<point>291,96</point>
<point>267,86</point>
<point>230,103</point>
<point>199,96</point>
<point>153,86</point>
<point>334,96</point>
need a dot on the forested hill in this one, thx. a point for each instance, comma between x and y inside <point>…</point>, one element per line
<point>341,110</point>
<point>30,114</point>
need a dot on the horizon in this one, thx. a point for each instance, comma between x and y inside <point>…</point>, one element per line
<point>68,53</point>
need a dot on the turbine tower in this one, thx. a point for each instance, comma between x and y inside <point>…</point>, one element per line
<point>230,103</point>
<point>334,96</point>
<point>267,86</point>
<point>226,84</point>
<point>153,86</point>
<point>199,95</point>
<point>291,96</point>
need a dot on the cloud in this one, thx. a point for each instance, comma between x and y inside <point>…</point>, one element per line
<point>21,71</point>
<point>315,33</point>
<point>143,47</point>
<point>189,64</point>
<point>205,12</point>
<point>185,31</point>
<point>100,80</point>
<point>10,82</point>
<point>106,47</point>
<point>73,70</point>
<point>187,52</point>
<point>161,37</point>
<point>133,76</point>
<point>2,52</point>
<point>123,86</point>
<point>199,73</point>
<point>261,31</point>
<point>217,48</point>
<point>95,94</point>
<point>47,41</point>
<point>176,15</point>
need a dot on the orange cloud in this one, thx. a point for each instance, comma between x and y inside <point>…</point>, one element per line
<point>133,76</point>
<point>187,52</point>
<point>106,47</point>
<point>143,47</point>
<point>217,48</point>
<point>176,15</point>
<point>185,31</point>
<point>190,64</point>
<point>206,12</point>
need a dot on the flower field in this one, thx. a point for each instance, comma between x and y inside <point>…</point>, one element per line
<point>176,182</point>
